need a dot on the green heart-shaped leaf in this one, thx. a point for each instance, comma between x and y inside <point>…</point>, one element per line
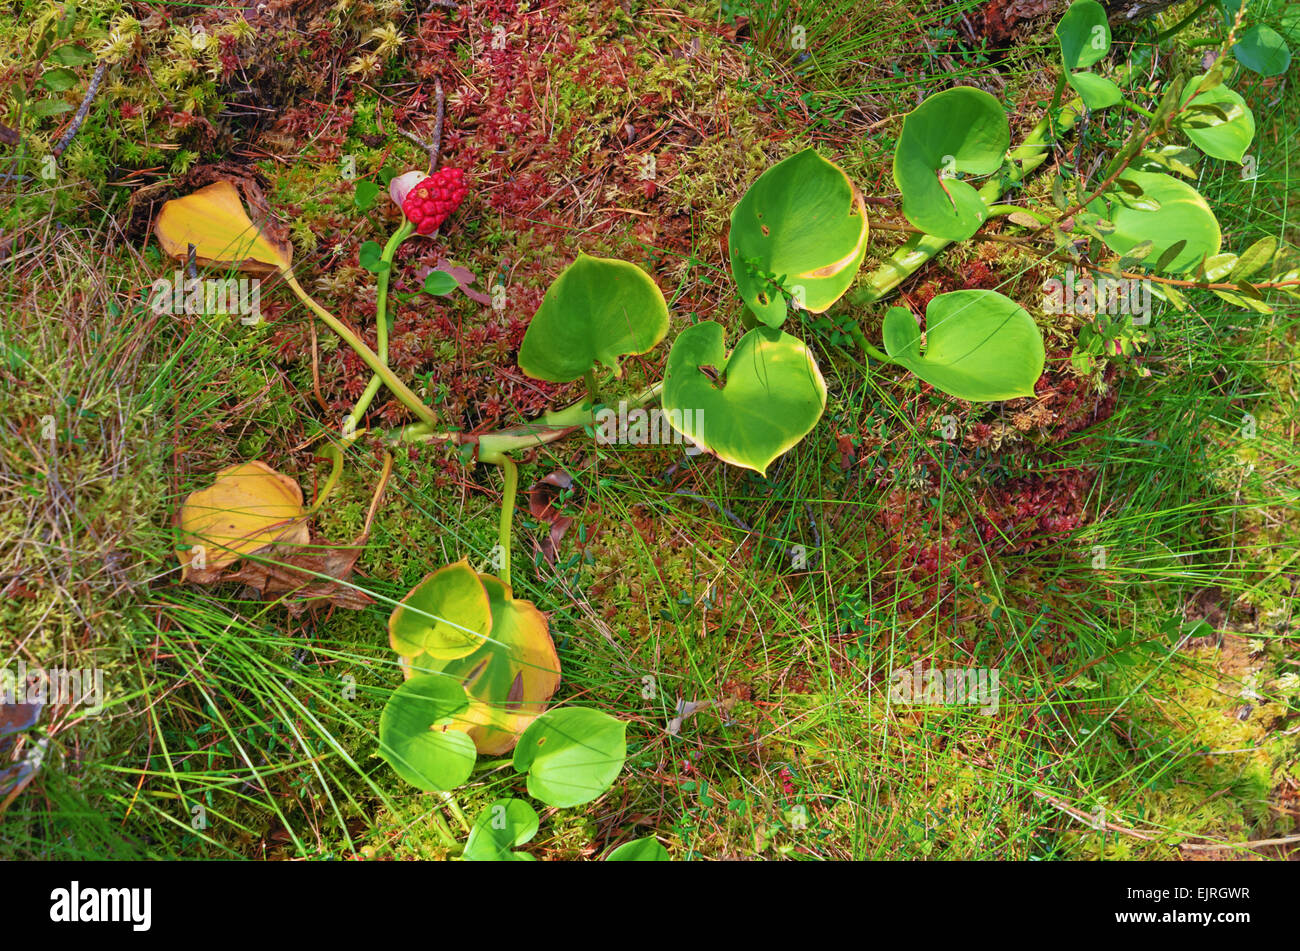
<point>1264,50</point>
<point>801,228</point>
<point>428,758</point>
<point>648,849</point>
<point>1181,214</point>
<point>958,130</point>
<point>599,309</point>
<point>447,615</point>
<point>1084,34</point>
<point>571,755</point>
<point>512,675</point>
<point>498,830</point>
<point>1097,92</point>
<point>980,345</point>
<point>766,397</point>
<point>1217,137</point>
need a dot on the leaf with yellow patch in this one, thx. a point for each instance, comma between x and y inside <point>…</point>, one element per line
<point>213,219</point>
<point>250,506</point>
<point>510,678</point>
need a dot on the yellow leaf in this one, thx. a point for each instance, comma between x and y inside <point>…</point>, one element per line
<point>213,219</point>
<point>510,678</point>
<point>249,507</point>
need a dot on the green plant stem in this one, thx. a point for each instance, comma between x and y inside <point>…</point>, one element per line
<point>511,473</point>
<point>1042,219</point>
<point>855,331</point>
<point>1056,94</point>
<point>547,428</point>
<point>381,317</point>
<point>1134,107</point>
<point>454,808</point>
<point>1184,23</point>
<point>371,359</point>
<point>593,392</point>
<point>444,832</point>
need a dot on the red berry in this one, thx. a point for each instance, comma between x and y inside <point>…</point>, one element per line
<point>431,202</point>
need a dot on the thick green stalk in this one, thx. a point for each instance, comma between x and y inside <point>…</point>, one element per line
<point>389,378</point>
<point>381,317</point>
<point>511,473</point>
<point>1184,23</point>
<point>547,428</point>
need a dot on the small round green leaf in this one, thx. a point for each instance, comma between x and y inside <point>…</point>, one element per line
<point>498,830</point>
<point>58,79</point>
<point>1084,34</point>
<point>364,194</point>
<point>447,615</point>
<point>413,734</point>
<point>1180,214</point>
<point>1263,50</point>
<point>748,408</point>
<point>1211,133</point>
<point>800,230</point>
<point>571,755</point>
<point>648,849</point>
<point>980,345</point>
<point>369,256</point>
<point>1097,92</point>
<point>958,130</point>
<point>598,310</point>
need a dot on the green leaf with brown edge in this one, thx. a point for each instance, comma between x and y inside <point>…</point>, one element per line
<point>447,615</point>
<point>802,221</point>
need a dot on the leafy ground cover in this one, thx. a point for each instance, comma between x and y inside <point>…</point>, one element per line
<point>1120,545</point>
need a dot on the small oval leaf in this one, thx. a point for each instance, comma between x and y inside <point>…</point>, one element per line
<point>571,755</point>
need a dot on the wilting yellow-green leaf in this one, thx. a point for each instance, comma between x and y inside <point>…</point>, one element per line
<point>447,615</point>
<point>510,678</point>
<point>248,507</point>
<point>213,219</point>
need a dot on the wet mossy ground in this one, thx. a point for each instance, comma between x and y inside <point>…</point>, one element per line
<point>781,604</point>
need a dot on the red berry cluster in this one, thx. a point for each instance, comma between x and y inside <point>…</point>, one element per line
<point>432,201</point>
